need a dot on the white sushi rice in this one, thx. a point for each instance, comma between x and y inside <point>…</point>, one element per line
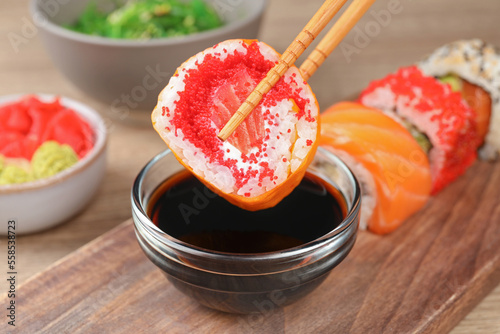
<point>401,108</point>
<point>283,156</point>
<point>479,63</point>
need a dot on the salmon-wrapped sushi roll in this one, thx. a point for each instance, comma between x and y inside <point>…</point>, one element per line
<point>392,168</point>
<point>267,155</point>
<point>472,67</point>
<point>440,120</point>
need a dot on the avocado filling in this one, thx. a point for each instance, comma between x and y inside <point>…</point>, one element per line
<point>453,80</point>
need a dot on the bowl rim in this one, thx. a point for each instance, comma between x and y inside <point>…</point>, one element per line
<point>143,222</point>
<point>88,114</point>
<point>47,24</point>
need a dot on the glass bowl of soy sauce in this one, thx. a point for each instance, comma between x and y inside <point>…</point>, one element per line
<point>238,261</point>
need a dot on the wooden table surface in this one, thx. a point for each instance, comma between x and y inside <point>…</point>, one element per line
<point>414,29</point>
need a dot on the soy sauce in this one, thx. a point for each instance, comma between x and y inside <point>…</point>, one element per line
<point>185,209</point>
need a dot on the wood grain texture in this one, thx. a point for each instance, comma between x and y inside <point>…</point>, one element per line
<point>424,278</point>
<point>418,28</point>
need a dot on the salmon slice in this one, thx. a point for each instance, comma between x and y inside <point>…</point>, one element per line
<point>228,98</point>
<point>480,101</point>
<point>393,169</point>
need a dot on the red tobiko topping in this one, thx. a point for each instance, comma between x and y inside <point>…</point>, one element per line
<point>165,111</point>
<point>29,122</point>
<point>431,96</point>
<point>196,110</point>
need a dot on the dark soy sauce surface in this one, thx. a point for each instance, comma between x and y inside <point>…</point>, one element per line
<point>185,209</point>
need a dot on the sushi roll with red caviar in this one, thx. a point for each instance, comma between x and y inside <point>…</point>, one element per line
<point>268,154</point>
<point>472,67</point>
<point>391,167</point>
<point>439,119</point>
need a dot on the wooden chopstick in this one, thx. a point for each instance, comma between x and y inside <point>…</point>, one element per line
<point>336,34</point>
<point>287,59</point>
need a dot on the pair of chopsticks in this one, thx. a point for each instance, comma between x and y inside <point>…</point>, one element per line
<point>339,30</point>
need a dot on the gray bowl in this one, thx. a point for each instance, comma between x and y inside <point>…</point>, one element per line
<point>129,74</point>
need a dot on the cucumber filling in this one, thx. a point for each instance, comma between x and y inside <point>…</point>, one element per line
<point>419,136</point>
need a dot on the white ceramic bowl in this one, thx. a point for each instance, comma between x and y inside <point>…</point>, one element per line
<point>129,74</point>
<point>38,205</point>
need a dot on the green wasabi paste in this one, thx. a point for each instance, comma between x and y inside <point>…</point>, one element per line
<point>11,174</point>
<point>49,159</point>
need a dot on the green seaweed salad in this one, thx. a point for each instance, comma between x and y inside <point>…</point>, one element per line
<point>146,19</point>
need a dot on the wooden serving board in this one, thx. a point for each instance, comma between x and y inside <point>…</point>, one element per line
<point>423,278</point>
